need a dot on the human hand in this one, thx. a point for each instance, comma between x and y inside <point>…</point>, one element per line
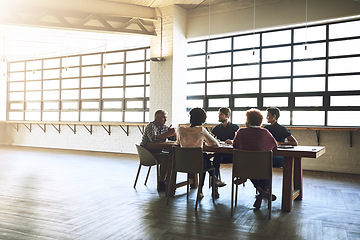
<point>171,131</point>
<point>228,141</point>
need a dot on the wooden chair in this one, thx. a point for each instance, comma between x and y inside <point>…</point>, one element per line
<point>146,159</point>
<point>252,165</point>
<point>190,161</point>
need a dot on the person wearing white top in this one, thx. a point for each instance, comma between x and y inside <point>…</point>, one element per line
<point>195,136</point>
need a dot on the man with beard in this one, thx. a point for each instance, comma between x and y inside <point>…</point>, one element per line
<point>225,131</point>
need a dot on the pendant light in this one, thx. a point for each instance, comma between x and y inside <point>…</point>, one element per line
<point>159,59</point>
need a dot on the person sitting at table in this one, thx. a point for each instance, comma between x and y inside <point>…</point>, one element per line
<point>255,138</point>
<point>157,131</point>
<point>225,131</point>
<point>195,136</point>
<point>279,132</point>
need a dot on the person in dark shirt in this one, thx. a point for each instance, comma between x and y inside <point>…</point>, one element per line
<point>225,131</point>
<point>280,133</point>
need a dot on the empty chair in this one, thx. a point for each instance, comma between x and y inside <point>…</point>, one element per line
<point>146,159</point>
<point>190,161</point>
<point>251,165</point>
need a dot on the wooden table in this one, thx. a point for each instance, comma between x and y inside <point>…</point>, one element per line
<point>292,170</point>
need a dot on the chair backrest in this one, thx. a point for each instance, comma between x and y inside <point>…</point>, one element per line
<point>189,160</point>
<point>252,164</point>
<point>145,156</point>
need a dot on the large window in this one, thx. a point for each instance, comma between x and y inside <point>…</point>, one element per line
<point>311,73</point>
<point>106,87</point>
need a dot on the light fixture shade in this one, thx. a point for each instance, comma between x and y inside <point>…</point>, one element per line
<point>157,59</point>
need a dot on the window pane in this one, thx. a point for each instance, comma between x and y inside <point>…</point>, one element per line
<point>19,66</point>
<point>70,61</point>
<point>15,116</point>
<point>133,80</point>
<point>112,105</point>
<point>344,65</point>
<point>16,106</point>
<point>311,51</point>
<point>344,83</point>
<point>33,106</point>
<point>344,118</point>
<point>191,103</point>
<point>16,86</point>
<point>91,59</point>
<point>69,116</point>
<point>196,61</point>
<point>239,117</point>
<point>113,81</point>
<point>112,116</point>
<point>345,101</point>
<point>20,76</point>
<point>114,57</point>
<point>242,87</point>
<point>309,67</point>
<point>195,89</point>
<point>219,102</point>
<point>249,71</point>
<point>49,74</point>
<point>112,93</point>
<point>113,69</point>
<point>133,92</point>
<point>310,34</point>
<point>196,75</point>
<point>219,45</point>
<point>308,101</point>
<point>90,71</point>
<point>90,82</point>
<point>276,69</point>
<point>248,41</point>
<point>70,83</point>
<point>275,101</point>
<point>16,96</point>
<point>89,116</point>
<point>249,56</point>
<point>51,63</point>
<point>70,72</point>
<point>33,65</point>
<point>134,116</point>
<point>33,95</point>
<point>33,85</point>
<point>51,95</point>
<point>33,75</point>
<point>276,54</point>
<point>32,116</point>
<point>311,118</point>
<point>245,102</point>
<point>50,116</point>
<point>90,93</point>
<point>90,105</point>
<point>347,47</point>
<point>219,59</point>
<point>346,29</point>
<point>218,88</point>
<point>70,94</point>
<point>70,105</point>
<point>135,104</point>
<point>219,74</point>
<point>51,105</point>
<point>135,55</point>
<point>197,47</point>
<point>54,84</point>
<point>309,84</point>
<point>284,119</point>
<point>278,37</point>
<point>276,85</point>
<point>135,67</point>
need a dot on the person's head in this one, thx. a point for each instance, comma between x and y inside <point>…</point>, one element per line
<point>197,117</point>
<point>253,117</point>
<point>224,114</point>
<point>160,117</point>
<point>273,114</point>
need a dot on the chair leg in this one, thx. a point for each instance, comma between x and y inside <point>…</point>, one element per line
<point>232,196</point>
<point>198,192</point>
<point>137,175</point>
<point>187,186</point>
<point>269,202</point>
<point>236,194</point>
<point>213,186</point>
<point>170,186</point>
<point>147,175</point>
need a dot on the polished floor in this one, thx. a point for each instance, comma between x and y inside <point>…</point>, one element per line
<point>63,194</point>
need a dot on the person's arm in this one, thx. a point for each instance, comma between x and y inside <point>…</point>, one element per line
<point>292,140</point>
<point>209,139</point>
<point>169,133</point>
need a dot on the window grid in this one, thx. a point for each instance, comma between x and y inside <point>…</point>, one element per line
<point>310,69</point>
<point>76,91</point>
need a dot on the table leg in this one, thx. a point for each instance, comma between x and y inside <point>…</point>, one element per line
<point>288,180</point>
<point>298,177</point>
<point>168,171</point>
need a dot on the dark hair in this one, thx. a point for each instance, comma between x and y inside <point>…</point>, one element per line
<point>225,110</point>
<point>197,117</point>
<point>254,117</point>
<point>274,111</point>
<point>159,113</point>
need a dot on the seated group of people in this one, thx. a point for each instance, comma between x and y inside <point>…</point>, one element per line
<point>251,138</point>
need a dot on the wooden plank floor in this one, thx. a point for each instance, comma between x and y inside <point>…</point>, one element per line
<point>62,194</point>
